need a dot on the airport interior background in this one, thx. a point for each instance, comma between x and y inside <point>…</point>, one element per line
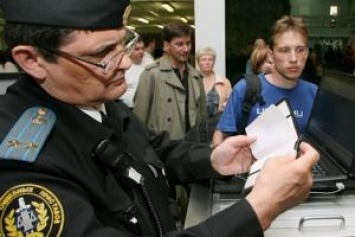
<point>331,24</point>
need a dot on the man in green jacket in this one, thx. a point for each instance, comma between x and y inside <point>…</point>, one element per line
<point>170,95</point>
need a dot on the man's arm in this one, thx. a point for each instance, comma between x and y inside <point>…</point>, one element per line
<point>237,220</point>
<point>218,137</point>
<point>282,183</point>
<point>143,98</point>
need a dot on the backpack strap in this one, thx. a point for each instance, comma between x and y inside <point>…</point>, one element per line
<point>251,97</point>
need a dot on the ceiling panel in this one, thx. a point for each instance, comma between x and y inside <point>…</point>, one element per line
<point>153,11</point>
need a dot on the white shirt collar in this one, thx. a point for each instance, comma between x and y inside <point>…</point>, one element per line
<point>94,112</point>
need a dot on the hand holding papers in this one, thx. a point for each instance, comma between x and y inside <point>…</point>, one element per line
<point>276,134</point>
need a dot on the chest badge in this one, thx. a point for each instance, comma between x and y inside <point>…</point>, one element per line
<point>30,211</point>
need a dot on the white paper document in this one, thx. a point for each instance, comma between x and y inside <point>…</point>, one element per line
<point>276,135</point>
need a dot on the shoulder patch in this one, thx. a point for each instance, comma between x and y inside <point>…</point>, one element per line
<point>30,210</point>
<point>26,138</point>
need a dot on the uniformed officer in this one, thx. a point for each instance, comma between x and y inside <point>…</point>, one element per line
<point>75,163</point>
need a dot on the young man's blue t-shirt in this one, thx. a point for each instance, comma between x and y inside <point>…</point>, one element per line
<point>301,99</point>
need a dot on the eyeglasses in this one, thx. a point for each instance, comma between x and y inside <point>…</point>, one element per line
<point>128,43</point>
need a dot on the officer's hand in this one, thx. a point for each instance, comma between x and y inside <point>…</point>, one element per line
<point>282,183</point>
<point>233,155</point>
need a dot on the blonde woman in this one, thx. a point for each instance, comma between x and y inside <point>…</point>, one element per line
<point>217,88</point>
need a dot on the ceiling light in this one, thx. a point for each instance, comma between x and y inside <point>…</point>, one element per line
<point>160,26</point>
<point>143,20</point>
<point>154,13</point>
<point>167,7</point>
<point>333,11</point>
<point>333,22</point>
<point>183,19</point>
<point>131,27</point>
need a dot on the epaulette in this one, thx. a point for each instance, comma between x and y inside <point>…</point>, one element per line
<point>151,66</point>
<point>27,136</point>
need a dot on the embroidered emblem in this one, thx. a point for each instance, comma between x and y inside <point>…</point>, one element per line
<point>31,145</point>
<point>14,143</point>
<point>40,116</point>
<point>30,211</point>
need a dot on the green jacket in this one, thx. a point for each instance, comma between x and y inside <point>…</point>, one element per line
<point>160,98</point>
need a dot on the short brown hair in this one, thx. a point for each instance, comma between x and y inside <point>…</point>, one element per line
<point>285,24</point>
<point>175,29</point>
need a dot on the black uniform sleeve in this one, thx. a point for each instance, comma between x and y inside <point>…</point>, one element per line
<point>238,220</point>
<point>184,161</point>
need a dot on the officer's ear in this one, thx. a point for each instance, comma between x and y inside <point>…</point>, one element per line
<point>29,60</point>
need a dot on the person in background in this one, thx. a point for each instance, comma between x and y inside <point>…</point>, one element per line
<point>259,42</point>
<point>170,94</point>
<point>134,72</point>
<point>330,57</point>
<point>349,56</point>
<point>352,47</point>
<point>6,64</point>
<point>149,48</point>
<point>310,71</point>
<point>288,52</point>
<point>260,62</point>
<point>217,88</point>
<point>65,170</point>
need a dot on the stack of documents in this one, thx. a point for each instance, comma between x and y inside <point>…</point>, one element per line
<point>276,132</point>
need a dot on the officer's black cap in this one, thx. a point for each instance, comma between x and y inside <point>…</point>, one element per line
<point>78,14</point>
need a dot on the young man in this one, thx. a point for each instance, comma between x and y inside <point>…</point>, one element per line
<point>149,47</point>
<point>134,72</point>
<point>65,173</point>
<point>170,94</point>
<point>288,52</point>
